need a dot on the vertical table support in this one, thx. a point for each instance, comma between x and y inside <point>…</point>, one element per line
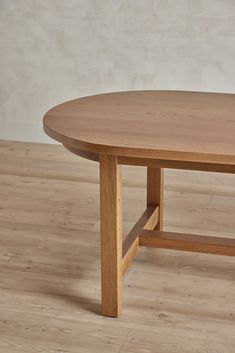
<point>111,235</point>
<point>155,180</point>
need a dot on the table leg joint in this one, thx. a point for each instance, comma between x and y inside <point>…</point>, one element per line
<point>130,245</point>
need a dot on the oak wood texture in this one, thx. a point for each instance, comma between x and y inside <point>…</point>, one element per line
<point>158,163</point>
<point>111,235</point>
<point>148,220</point>
<point>188,242</point>
<point>175,301</point>
<point>130,255</point>
<point>153,219</point>
<point>191,127</point>
<point>154,129</point>
<point>155,192</point>
<point>130,245</point>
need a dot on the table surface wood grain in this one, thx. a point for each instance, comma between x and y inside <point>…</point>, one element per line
<point>172,125</point>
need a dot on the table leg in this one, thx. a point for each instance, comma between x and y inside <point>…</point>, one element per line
<point>111,235</point>
<point>155,177</point>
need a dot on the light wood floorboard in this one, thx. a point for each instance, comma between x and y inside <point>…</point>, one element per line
<point>174,302</point>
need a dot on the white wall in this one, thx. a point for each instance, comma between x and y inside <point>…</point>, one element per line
<point>55,50</point>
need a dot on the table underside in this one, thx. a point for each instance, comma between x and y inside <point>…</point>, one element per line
<point>159,163</point>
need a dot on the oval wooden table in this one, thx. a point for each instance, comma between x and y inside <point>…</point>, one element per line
<point>156,129</point>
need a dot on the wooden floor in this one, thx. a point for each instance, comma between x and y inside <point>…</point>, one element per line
<point>174,302</point>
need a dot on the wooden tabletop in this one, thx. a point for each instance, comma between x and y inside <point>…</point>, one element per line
<point>172,125</point>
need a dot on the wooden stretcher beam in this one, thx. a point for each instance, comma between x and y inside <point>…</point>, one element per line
<point>187,242</point>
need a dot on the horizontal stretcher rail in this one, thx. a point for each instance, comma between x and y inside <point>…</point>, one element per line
<point>187,242</point>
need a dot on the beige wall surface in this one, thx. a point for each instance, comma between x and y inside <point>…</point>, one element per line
<point>55,50</point>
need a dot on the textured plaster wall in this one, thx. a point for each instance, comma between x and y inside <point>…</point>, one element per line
<point>54,50</point>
